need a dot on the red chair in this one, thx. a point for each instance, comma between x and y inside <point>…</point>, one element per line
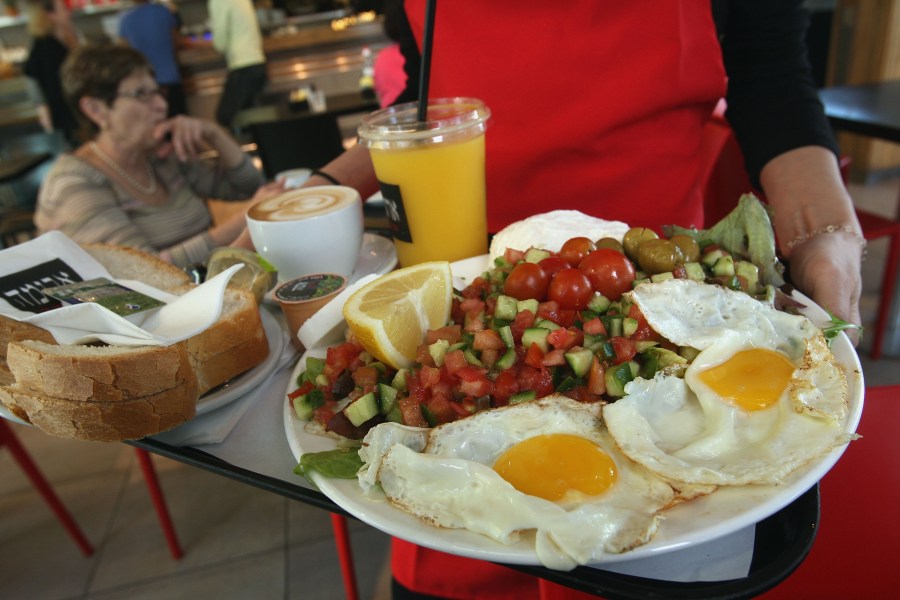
<point>9,439</point>
<point>724,178</point>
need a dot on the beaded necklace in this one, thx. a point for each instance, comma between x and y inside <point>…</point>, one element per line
<point>147,190</point>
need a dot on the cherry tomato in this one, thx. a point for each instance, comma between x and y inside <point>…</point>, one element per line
<point>574,249</point>
<point>610,272</point>
<point>571,289</point>
<point>553,265</point>
<point>527,280</point>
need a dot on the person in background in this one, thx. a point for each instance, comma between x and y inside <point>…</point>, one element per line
<point>607,117</point>
<point>236,34</point>
<point>390,77</point>
<point>140,181</point>
<point>152,29</point>
<point>54,36</point>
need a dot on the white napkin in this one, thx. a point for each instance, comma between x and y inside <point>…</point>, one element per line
<point>214,426</point>
<point>54,259</point>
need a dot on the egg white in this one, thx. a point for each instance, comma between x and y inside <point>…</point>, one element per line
<point>682,430</point>
<point>451,483</point>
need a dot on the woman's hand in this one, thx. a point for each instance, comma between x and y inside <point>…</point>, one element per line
<point>187,137</point>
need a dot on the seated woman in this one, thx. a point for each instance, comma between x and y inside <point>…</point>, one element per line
<point>139,181</point>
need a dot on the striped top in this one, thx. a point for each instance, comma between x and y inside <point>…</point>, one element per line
<point>82,202</point>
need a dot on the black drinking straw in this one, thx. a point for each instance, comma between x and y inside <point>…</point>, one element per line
<point>425,66</point>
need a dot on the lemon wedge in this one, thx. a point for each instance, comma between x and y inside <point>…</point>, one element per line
<point>389,316</point>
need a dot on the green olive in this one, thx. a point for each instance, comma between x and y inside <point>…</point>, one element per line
<point>634,237</point>
<point>688,245</point>
<point>611,243</point>
<point>659,256</point>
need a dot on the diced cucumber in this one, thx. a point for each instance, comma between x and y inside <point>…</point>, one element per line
<point>387,398</point>
<point>426,414</point>
<point>536,335</point>
<point>471,358</point>
<point>530,304</point>
<point>710,258</point>
<point>606,350</point>
<point>438,350</point>
<point>749,272</point>
<point>658,277</point>
<point>305,405</point>
<point>314,368</point>
<point>599,303</point>
<point>649,365</point>
<point>566,384</point>
<point>536,255</point>
<point>616,378</point>
<point>592,342</point>
<point>695,271</point>
<point>724,267</point>
<point>322,380</point>
<point>546,324</point>
<point>664,357</point>
<point>638,281</point>
<point>579,360</point>
<point>395,415</point>
<point>614,328</point>
<point>457,346</point>
<point>506,308</point>
<point>641,345</point>
<point>362,409</point>
<point>506,361</point>
<point>399,380</point>
<point>629,326</point>
<point>507,336</point>
<point>524,396</point>
<point>688,353</point>
<point>635,367</point>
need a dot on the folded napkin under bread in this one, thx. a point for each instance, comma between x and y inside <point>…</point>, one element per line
<point>53,257</point>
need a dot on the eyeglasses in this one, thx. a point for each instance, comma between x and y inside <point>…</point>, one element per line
<point>144,95</point>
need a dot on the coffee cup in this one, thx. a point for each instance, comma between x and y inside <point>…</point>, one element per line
<point>309,230</point>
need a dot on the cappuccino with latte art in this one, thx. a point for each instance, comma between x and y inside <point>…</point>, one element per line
<point>309,230</point>
<point>304,203</point>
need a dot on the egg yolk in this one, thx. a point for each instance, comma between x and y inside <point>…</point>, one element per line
<point>550,466</point>
<point>751,379</point>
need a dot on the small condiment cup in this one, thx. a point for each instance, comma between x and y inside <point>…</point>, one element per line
<point>302,297</point>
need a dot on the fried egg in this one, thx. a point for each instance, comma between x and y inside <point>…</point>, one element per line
<point>545,470</point>
<point>764,396</point>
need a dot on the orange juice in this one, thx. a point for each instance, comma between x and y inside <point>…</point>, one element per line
<point>432,177</point>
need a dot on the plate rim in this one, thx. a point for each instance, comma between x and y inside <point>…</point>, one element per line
<point>348,496</point>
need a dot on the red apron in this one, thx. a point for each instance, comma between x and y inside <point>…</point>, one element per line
<point>597,106</point>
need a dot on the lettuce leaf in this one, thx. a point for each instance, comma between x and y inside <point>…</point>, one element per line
<point>746,232</point>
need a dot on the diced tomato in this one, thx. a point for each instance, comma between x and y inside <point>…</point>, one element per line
<point>481,386</point>
<point>411,411</point>
<point>524,319</point>
<point>474,322</point>
<point>454,361</point>
<point>365,376</point>
<point>472,306</point>
<point>596,383</point>
<point>624,348</point>
<point>339,358</point>
<point>506,385</point>
<point>551,310</point>
<point>513,256</point>
<point>423,356</point>
<point>540,380</point>
<point>429,376</point>
<point>580,393</point>
<point>306,388</point>
<point>555,358</point>
<point>534,356</point>
<point>488,339</point>
<point>564,339</point>
<point>451,333</point>
<point>644,331</point>
<point>489,357</point>
<point>479,288</point>
<point>594,327</point>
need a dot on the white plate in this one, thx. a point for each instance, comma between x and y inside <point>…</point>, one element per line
<point>701,520</point>
<point>238,386</point>
<point>234,388</point>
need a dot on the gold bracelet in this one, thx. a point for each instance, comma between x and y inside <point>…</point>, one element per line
<point>805,237</point>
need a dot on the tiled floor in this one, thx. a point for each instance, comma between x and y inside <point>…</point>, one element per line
<point>239,542</point>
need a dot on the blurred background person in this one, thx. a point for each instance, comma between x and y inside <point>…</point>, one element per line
<point>390,76</point>
<point>54,36</point>
<point>236,34</point>
<point>153,30</point>
<point>140,181</point>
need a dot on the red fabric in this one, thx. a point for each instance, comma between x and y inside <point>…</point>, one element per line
<point>855,551</point>
<point>389,78</point>
<point>628,88</point>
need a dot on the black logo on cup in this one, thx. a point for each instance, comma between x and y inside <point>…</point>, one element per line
<point>393,204</point>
